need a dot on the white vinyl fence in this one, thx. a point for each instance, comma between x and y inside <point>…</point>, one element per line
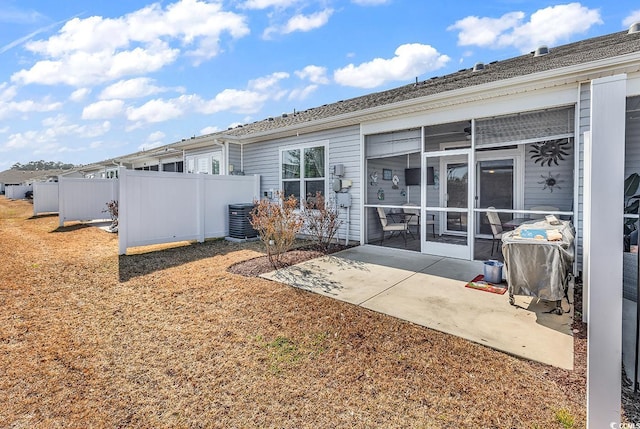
<point>16,192</point>
<point>85,199</point>
<point>45,197</point>
<point>162,207</point>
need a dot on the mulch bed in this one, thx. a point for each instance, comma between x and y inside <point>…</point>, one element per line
<point>171,338</point>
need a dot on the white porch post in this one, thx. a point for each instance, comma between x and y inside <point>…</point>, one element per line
<point>603,210</point>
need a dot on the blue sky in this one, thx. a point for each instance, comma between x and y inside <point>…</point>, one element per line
<point>87,80</point>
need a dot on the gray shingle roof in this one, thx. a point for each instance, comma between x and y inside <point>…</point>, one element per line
<point>20,176</point>
<point>584,51</point>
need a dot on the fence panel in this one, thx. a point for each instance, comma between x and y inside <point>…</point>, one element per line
<point>220,191</point>
<point>162,207</point>
<point>85,199</point>
<point>45,197</point>
<point>157,208</point>
<point>16,192</point>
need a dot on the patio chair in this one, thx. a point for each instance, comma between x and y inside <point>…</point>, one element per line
<point>496,228</point>
<point>399,227</point>
<point>415,219</point>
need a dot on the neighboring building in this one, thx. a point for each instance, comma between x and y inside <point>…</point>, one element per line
<point>27,177</point>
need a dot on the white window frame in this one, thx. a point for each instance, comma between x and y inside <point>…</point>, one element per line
<point>193,162</point>
<point>302,179</point>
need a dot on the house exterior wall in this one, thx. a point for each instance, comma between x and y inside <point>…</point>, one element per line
<point>235,158</point>
<point>561,195</point>
<point>584,125</point>
<point>343,148</point>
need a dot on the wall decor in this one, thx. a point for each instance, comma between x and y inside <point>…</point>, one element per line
<point>373,178</point>
<point>386,174</point>
<point>381,194</point>
<point>550,181</point>
<point>395,180</point>
<point>549,151</point>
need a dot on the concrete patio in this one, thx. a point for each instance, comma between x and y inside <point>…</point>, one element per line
<point>430,291</point>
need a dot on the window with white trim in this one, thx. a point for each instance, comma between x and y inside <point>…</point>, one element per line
<point>303,171</point>
<point>206,163</point>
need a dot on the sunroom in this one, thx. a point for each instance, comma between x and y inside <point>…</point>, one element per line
<point>443,180</point>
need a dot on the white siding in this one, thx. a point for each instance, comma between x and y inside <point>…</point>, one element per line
<point>584,118</point>
<point>562,194</point>
<point>235,157</point>
<point>344,148</point>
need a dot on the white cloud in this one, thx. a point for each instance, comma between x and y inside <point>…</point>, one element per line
<point>155,111</point>
<point>267,83</point>
<point>103,109</point>
<point>247,101</point>
<point>410,60</point>
<point>50,137</point>
<point>79,94</point>
<point>315,74</point>
<point>131,88</point>
<point>485,31</point>
<point>301,22</point>
<point>9,107</point>
<point>153,140</point>
<point>234,100</point>
<point>7,92</point>
<point>548,26</point>
<point>264,4</point>
<point>302,93</point>
<point>633,17</point>
<point>95,49</point>
<point>209,130</point>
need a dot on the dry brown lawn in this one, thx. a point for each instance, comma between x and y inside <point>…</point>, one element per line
<point>169,338</point>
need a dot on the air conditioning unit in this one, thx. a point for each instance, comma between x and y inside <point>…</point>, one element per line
<point>239,225</point>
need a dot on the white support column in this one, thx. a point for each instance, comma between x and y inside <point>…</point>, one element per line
<point>603,211</point>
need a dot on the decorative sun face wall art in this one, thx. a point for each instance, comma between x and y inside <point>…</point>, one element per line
<point>550,151</point>
<point>550,182</point>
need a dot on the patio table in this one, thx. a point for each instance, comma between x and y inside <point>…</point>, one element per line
<point>515,222</point>
<point>536,266</point>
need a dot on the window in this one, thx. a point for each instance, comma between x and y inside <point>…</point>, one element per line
<point>303,171</point>
<point>208,163</point>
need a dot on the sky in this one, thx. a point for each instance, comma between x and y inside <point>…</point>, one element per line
<point>88,80</point>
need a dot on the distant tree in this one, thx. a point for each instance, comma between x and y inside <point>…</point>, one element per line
<point>41,165</point>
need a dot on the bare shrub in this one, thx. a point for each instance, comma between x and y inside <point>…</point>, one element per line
<point>277,223</point>
<point>321,221</point>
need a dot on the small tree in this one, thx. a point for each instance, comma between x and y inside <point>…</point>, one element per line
<point>277,224</point>
<point>321,221</point>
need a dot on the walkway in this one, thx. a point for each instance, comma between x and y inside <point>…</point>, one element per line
<point>430,291</point>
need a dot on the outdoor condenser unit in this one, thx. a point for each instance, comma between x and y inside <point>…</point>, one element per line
<point>239,225</point>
